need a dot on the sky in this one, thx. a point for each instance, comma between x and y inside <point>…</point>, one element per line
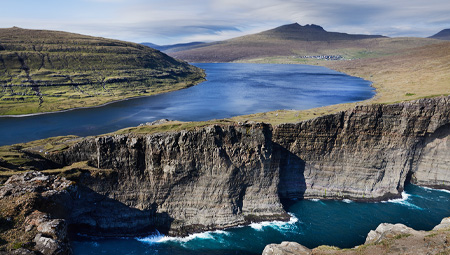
<point>179,21</point>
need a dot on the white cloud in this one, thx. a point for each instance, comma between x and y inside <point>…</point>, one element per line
<point>173,21</point>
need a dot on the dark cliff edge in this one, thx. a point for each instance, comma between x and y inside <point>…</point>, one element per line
<point>222,176</point>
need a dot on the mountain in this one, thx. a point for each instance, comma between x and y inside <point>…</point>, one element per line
<point>175,47</point>
<point>310,33</point>
<point>301,43</point>
<point>442,35</point>
<point>43,70</point>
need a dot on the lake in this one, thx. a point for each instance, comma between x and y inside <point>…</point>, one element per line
<point>235,89</point>
<point>231,89</point>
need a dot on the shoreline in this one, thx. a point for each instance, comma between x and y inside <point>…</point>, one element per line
<point>94,106</point>
<point>375,96</point>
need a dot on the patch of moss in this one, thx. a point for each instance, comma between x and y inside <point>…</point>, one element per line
<point>17,245</point>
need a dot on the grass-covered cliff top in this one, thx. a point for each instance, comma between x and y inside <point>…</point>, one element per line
<point>44,71</point>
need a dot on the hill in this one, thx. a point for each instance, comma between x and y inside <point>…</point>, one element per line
<point>301,42</point>
<point>42,71</point>
<point>442,35</point>
<point>175,47</point>
<point>310,33</point>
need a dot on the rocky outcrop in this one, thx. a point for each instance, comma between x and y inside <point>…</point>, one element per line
<point>385,239</point>
<point>31,203</point>
<point>286,248</point>
<point>226,175</point>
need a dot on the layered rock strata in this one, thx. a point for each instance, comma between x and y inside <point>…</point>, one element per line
<point>180,182</point>
<point>368,152</point>
<point>226,175</point>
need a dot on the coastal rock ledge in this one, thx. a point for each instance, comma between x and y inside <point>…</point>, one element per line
<point>385,239</point>
<point>225,175</point>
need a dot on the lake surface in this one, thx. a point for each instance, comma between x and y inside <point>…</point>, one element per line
<point>313,223</point>
<point>231,89</point>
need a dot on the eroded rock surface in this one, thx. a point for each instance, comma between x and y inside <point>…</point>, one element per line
<point>226,175</point>
<point>368,152</point>
<point>180,182</point>
<point>31,204</point>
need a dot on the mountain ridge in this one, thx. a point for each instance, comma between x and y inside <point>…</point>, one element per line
<point>442,35</point>
<point>311,32</point>
<point>299,42</point>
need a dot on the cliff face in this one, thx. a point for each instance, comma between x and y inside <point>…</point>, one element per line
<point>222,176</point>
<point>367,152</point>
<point>181,182</point>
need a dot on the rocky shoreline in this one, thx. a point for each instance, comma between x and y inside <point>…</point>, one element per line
<point>221,176</point>
<point>385,239</point>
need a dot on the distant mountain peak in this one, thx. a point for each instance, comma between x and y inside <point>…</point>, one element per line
<point>442,35</point>
<point>295,27</point>
<point>310,32</point>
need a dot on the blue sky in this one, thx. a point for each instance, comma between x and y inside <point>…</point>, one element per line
<point>175,21</point>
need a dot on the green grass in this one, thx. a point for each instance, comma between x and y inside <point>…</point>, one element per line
<point>172,126</point>
<point>45,71</point>
<point>29,156</point>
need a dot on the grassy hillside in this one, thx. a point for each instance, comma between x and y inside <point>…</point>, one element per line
<point>42,71</point>
<point>300,43</point>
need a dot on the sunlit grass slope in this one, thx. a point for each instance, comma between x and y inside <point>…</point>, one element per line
<point>42,71</point>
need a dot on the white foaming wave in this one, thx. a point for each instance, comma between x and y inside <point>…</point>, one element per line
<point>281,225</point>
<point>405,197</point>
<point>348,201</point>
<point>204,236</point>
<point>315,200</point>
<point>441,190</point>
<point>151,239</point>
<point>403,201</point>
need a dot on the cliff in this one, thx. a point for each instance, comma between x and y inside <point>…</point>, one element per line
<point>225,175</point>
<point>180,182</point>
<point>367,152</point>
<point>385,239</point>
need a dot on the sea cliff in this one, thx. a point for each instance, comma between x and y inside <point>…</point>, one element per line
<point>225,175</point>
